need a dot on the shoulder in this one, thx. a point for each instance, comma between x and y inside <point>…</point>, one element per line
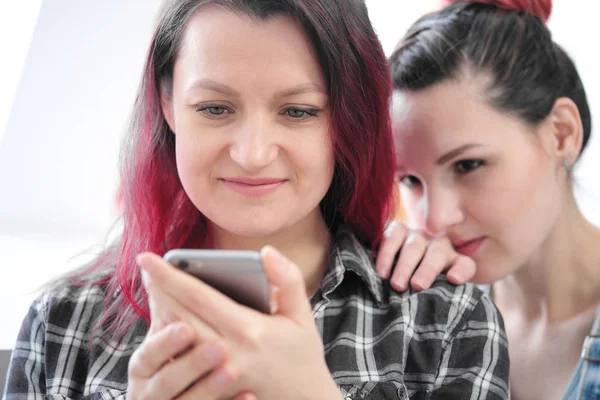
<point>54,353</point>
<point>59,305</point>
<point>62,316</point>
<point>457,308</point>
<point>456,337</point>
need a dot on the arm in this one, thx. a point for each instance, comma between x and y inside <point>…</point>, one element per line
<point>475,362</point>
<point>26,375</point>
<point>52,354</point>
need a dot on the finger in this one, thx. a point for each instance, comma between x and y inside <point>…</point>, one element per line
<point>285,275</point>
<point>158,348</point>
<point>412,252</point>
<point>394,238</point>
<point>214,386</point>
<point>462,271</point>
<point>438,256</point>
<point>206,303</point>
<point>167,309</point>
<point>178,375</point>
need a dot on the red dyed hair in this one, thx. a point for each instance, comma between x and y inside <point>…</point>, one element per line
<point>539,8</point>
<point>158,215</point>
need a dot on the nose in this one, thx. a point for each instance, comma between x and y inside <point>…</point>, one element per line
<point>442,211</point>
<point>254,145</point>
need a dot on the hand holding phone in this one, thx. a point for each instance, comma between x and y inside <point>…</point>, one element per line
<point>239,274</point>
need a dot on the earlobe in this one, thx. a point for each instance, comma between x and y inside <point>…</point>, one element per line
<point>567,129</point>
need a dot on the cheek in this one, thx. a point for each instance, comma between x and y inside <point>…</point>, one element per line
<point>312,158</point>
<point>320,172</point>
<point>187,159</point>
<point>519,205</point>
<point>195,160</point>
<point>499,200</point>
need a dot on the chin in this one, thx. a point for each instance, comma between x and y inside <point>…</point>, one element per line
<point>255,232</point>
<point>488,273</point>
<point>251,226</point>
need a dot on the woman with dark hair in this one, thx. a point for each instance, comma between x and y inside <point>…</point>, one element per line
<point>490,116</point>
<point>258,125</point>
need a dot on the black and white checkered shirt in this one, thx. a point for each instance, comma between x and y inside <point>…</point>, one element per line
<point>447,342</point>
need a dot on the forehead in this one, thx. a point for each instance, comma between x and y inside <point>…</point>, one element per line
<point>447,114</point>
<point>218,41</point>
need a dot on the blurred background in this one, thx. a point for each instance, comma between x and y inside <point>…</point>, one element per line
<point>69,70</point>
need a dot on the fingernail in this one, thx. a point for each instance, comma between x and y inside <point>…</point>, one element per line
<point>181,333</point>
<point>273,252</point>
<point>222,378</point>
<point>455,278</point>
<point>145,277</point>
<point>213,354</point>
<point>273,301</point>
<point>277,258</point>
<point>417,285</point>
<point>400,284</point>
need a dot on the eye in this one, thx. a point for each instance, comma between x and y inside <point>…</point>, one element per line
<point>211,110</point>
<point>464,167</point>
<point>408,180</point>
<point>300,114</point>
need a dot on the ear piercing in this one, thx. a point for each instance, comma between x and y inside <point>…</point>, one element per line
<point>568,163</point>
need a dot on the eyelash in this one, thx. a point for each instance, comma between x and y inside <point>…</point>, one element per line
<point>205,109</point>
<point>403,180</point>
<point>461,168</point>
<point>208,110</point>
<point>308,113</point>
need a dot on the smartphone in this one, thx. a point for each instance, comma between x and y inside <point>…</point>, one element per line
<point>239,274</point>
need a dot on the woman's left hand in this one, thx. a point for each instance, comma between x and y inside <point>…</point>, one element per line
<point>278,356</point>
<point>420,260</point>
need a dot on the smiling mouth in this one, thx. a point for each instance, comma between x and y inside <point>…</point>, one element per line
<point>254,187</point>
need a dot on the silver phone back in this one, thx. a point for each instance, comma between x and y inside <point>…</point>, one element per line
<point>239,274</point>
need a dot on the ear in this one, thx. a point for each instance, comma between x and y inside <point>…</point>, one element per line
<point>565,130</point>
<point>166,104</point>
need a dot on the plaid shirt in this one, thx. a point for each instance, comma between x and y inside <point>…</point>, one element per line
<point>447,342</point>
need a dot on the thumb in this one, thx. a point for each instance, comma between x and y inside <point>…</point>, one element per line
<point>286,276</point>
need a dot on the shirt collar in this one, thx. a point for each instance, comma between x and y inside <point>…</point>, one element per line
<point>349,254</point>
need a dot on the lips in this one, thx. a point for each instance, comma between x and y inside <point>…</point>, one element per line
<point>468,247</point>
<point>253,187</point>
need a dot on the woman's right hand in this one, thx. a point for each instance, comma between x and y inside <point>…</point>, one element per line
<point>168,362</point>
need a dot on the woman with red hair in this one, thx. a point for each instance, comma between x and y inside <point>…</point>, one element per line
<point>259,125</point>
<point>490,115</point>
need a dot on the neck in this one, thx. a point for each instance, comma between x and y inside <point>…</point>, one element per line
<point>307,244</point>
<point>562,278</point>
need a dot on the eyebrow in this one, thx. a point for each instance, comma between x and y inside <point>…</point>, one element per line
<point>454,153</point>
<point>209,84</point>
<point>301,89</point>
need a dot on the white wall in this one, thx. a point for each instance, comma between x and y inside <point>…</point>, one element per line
<point>17,23</point>
<point>59,151</point>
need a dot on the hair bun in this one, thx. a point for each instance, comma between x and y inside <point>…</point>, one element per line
<point>539,8</point>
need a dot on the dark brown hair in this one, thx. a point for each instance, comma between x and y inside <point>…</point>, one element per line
<point>506,39</point>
